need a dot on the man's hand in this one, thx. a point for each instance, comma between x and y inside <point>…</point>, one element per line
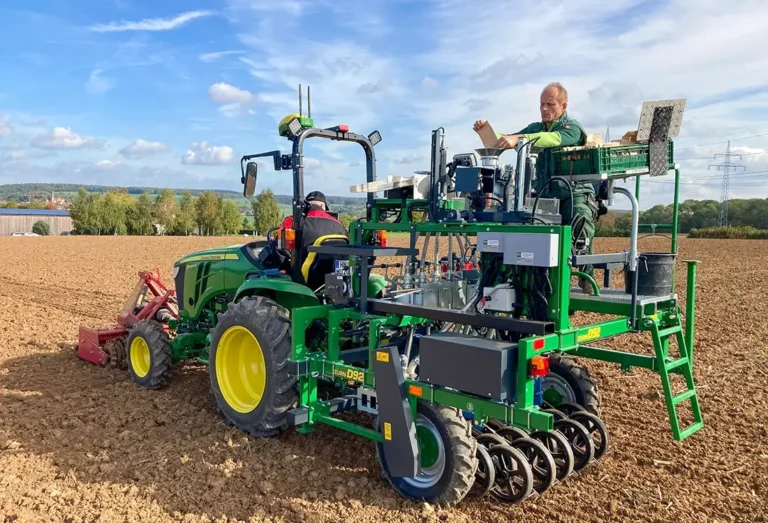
<point>508,142</point>
<point>479,125</point>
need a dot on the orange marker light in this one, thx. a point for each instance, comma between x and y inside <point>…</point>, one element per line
<point>381,238</point>
<point>539,366</point>
<point>290,239</point>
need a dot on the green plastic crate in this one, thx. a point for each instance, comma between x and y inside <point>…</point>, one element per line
<point>607,160</point>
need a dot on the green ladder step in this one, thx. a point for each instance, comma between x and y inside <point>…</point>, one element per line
<point>684,396</point>
<point>664,333</point>
<point>672,365</point>
<point>681,365</point>
<point>690,430</point>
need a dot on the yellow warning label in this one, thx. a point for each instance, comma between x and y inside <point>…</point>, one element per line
<point>387,431</point>
<point>382,356</point>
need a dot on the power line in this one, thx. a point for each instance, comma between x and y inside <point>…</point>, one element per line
<point>725,166</point>
<point>719,143</point>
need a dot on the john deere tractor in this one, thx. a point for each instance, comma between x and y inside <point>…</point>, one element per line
<point>466,364</point>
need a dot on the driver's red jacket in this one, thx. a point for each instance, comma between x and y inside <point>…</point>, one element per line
<point>313,213</point>
<point>317,223</point>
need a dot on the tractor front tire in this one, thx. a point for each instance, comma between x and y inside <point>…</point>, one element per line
<point>149,355</point>
<point>570,382</point>
<point>248,366</point>
<point>448,457</point>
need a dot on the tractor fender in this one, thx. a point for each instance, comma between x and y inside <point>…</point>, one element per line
<point>286,293</point>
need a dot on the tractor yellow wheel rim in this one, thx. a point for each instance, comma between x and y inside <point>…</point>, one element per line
<point>240,369</point>
<point>140,357</point>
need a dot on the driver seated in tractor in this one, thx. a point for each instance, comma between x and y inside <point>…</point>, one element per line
<point>318,224</point>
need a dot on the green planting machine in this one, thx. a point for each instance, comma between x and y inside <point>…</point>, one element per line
<point>467,367</point>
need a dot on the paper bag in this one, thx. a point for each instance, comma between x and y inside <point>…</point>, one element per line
<point>487,135</point>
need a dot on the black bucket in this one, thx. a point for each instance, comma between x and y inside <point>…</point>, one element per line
<point>655,274</point>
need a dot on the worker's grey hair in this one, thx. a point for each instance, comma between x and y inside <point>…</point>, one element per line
<point>562,93</point>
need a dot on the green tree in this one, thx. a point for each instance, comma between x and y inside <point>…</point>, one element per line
<point>112,213</point>
<point>207,213</point>
<point>165,209</point>
<point>230,217</point>
<point>42,228</point>
<point>346,219</point>
<point>85,209</point>
<point>139,217</point>
<point>266,212</point>
<point>185,220</point>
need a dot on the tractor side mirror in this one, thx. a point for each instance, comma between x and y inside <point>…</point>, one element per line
<point>249,181</point>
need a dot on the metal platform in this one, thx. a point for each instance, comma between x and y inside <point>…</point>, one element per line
<point>620,297</point>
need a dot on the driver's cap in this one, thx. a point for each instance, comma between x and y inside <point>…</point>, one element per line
<point>317,196</point>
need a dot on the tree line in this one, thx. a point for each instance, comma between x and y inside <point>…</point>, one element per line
<point>692,215</point>
<point>118,213</point>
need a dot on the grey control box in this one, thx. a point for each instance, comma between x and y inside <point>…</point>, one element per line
<point>469,363</point>
<point>535,249</point>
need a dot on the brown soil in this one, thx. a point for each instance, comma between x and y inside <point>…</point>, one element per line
<point>81,443</point>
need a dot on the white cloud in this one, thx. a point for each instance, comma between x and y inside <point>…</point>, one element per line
<point>203,154</point>
<point>143,148</point>
<point>97,84</point>
<point>212,57</point>
<point>222,92</point>
<point>152,24</point>
<point>107,164</point>
<point>65,138</point>
<point>5,129</point>
<point>236,101</point>
<point>19,154</point>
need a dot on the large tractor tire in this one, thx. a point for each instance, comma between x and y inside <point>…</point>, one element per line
<point>248,366</point>
<point>569,382</point>
<point>149,355</point>
<point>448,458</point>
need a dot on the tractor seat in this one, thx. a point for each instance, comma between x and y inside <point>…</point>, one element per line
<point>316,265</point>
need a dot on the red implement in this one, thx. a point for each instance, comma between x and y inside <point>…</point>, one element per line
<point>150,299</point>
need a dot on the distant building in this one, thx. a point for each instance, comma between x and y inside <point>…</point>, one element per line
<point>22,220</point>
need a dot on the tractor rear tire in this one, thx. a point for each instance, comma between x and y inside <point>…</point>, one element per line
<point>455,463</point>
<point>248,366</point>
<point>149,355</point>
<point>573,383</point>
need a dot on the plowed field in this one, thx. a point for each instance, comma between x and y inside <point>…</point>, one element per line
<point>81,443</point>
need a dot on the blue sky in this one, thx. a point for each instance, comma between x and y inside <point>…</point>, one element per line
<point>172,93</point>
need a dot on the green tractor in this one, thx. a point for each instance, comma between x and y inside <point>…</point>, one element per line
<point>231,306</point>
<point>466,364</point>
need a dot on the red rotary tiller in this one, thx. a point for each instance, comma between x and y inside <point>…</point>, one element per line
<point>150,298</point>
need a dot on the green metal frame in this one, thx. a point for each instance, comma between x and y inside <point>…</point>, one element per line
<point>661,320</point>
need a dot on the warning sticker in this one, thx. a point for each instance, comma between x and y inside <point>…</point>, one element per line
<point>491,243</point>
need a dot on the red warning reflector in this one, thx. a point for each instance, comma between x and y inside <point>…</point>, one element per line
<point>538,344</point>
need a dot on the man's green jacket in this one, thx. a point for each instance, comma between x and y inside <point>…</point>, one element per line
<point>563,132</point>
